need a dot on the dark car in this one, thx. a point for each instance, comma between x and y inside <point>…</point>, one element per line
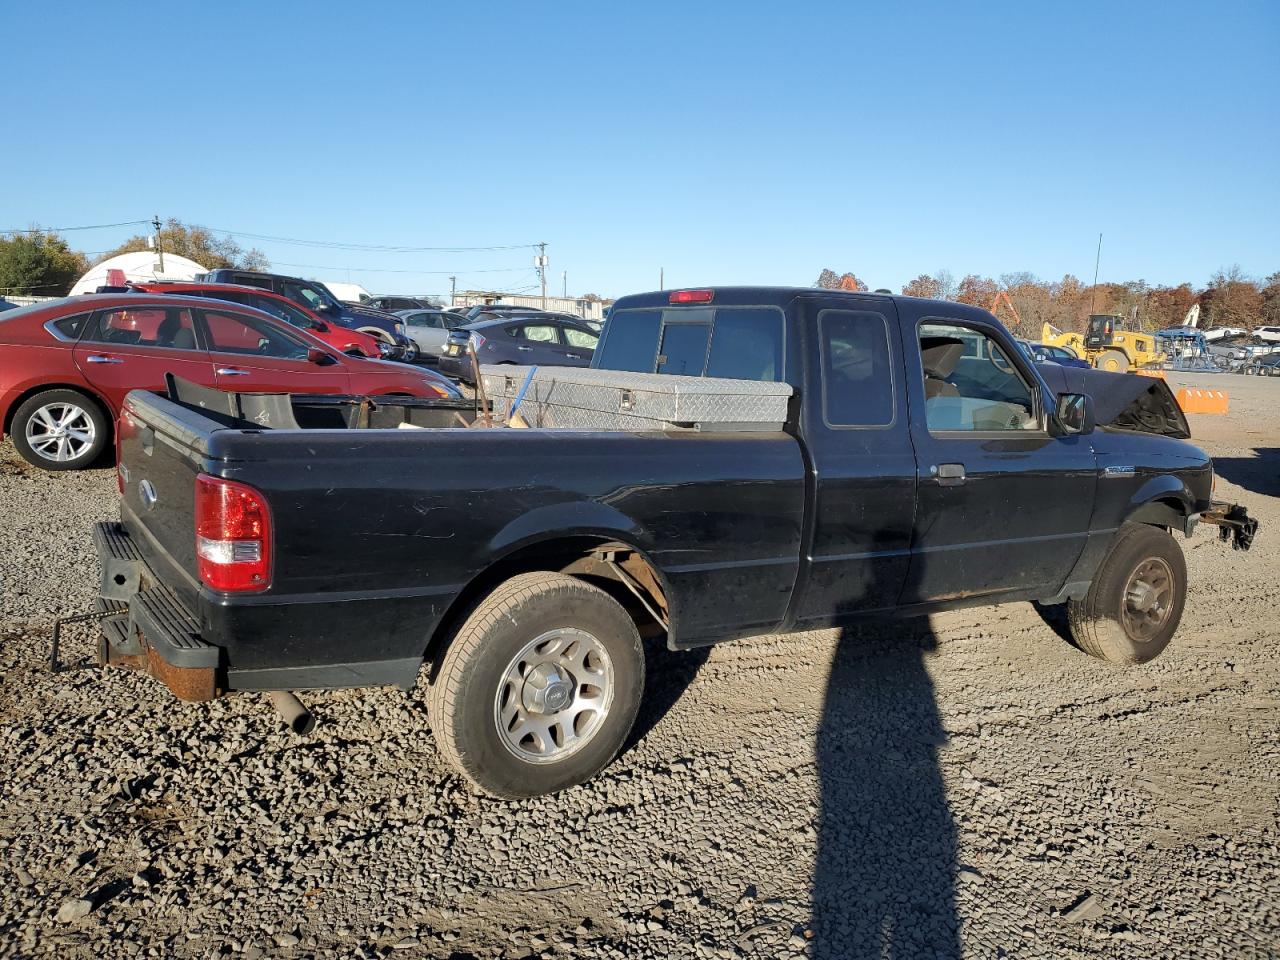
<point>1046,353</point>
<point>541,339</point>
<point>905,475</point>
<point>317,298</point>
<point>394,304</point>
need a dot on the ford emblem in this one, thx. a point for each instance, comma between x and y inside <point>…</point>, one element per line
<point>148,494</point>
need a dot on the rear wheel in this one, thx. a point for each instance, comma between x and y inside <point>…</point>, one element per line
<point>1135,603</point>
<point>540,687</point>
<point>1113,361</point>
<point>60,430</point>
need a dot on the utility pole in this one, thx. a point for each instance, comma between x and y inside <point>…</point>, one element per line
<point>540,261</point>
<point>564,280</point>
<point>453,290</point>
<point>662,279</point>
<point>155,222</point>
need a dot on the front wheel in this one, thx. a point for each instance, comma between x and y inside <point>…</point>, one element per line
<point>60,430</point>
<point>1135,603</point>
<point>1113,361</point>
<point>540,687</point>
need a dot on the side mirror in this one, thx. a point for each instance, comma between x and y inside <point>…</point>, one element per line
<point>324,308</point>
<point>1075,413</point>
<point>320,327</point>
<point>319,357</point>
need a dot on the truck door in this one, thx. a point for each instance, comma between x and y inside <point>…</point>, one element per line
<point>1004,505</point>
<point>864,467</point>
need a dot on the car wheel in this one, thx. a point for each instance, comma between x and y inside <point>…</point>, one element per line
<point>410,351</point>
<point>539,688</point>
<point>1134,604</point>
<point>60,430</point>
<point>1113,361</point>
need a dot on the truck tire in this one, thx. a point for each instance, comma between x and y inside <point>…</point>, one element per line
<point>1113,361</point>
<point>539,688</point>
<point>1135,602</point>
<point>60,430</point>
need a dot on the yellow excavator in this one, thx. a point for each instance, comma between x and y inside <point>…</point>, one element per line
<point>1107,345</point>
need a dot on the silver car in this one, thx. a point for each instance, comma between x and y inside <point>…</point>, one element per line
<point>429,329</point>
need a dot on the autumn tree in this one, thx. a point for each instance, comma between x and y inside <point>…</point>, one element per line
<point>977,291</point>
<point>922,286</point>
<point>1271,300</point>
<point>1232,300</point>
<point>38,263</point>
<point>829,280</point>
<point>198,244</point>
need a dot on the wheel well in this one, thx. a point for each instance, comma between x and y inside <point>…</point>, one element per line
<point>617,568</point>
<point>78,388</point>
<point>1164,512</point>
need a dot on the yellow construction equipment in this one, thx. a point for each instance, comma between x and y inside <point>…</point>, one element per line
<point>1107,344</point>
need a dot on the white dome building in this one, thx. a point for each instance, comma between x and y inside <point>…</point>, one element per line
<point>144,265</point>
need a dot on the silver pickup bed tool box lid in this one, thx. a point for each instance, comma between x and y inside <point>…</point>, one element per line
<point>578,398</point>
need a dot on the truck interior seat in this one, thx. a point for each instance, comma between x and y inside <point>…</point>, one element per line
<point>940,355</point>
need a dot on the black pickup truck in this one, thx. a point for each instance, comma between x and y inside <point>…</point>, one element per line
<point>299,543</point>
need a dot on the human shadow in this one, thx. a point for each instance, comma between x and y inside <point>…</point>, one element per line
<point>884,877</point>
<point>1257,474</point>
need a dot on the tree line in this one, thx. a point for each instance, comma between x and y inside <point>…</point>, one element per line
<point>41,263</point>
<point>1231,299</point>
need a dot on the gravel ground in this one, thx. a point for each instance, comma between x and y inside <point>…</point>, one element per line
<point>971,785</point>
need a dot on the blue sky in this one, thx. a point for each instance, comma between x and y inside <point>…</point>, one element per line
<point>728,143</point>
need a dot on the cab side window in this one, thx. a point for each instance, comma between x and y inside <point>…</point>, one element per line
<point>970,384</point>
<point>858,384</point>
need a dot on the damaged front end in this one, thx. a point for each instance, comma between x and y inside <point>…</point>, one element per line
<point>1233,523</point>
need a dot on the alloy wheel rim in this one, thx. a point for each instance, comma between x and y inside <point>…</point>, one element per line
<point>554,696</point>
<point>60,431</point>
<point>1148,599</point>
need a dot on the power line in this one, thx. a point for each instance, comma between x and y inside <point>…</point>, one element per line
<point>380,248</point>
<point>95,226</point>
<point>444,273</point>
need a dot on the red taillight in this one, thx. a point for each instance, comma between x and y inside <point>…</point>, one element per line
<point>692,296</point>
<point>233,535</point>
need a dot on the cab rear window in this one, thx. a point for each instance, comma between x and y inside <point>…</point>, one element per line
<point>743,343</point>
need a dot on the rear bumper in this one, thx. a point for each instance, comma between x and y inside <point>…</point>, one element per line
<point>150,629</point>
<point>458,367</point>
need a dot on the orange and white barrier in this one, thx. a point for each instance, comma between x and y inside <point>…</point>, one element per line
<point>1151,372</point>
<point>1196,400</point>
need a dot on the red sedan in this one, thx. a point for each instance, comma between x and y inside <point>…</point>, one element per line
<point>335,335</point>
<point>66,365</point>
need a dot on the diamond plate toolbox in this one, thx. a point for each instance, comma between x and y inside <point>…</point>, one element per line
<point>578,398</point>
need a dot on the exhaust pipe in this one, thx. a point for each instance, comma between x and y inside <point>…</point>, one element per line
<point>295,716</point>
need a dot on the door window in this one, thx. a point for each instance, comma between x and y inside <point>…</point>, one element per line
<point>283,311</point>
<point>430,320</point>
<point>539,333</point>
<point>970,383</point>
<point>236,333</point>
<point>858,388</point>
<point>579,338</point>
<point>171,328</point>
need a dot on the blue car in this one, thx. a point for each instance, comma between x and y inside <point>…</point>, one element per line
<point>1044,353</point>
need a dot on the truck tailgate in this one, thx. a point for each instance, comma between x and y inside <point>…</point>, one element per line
<point>163,448</point>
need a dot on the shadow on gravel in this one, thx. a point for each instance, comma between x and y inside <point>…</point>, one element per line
<point>668,676</point>
<point>884,877</point>
<point>1257,474</point>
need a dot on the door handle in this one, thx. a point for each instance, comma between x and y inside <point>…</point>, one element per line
<point>232,372</point>
<point>948,474</point>
<point>524,349</point>
<point>99,358</point>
